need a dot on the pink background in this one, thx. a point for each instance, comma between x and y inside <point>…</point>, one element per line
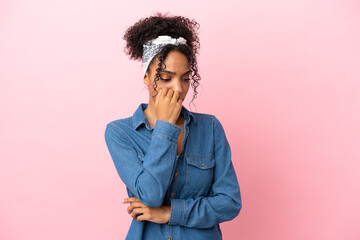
<point>282,77</point>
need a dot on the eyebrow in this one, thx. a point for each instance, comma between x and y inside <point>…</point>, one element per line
<point>166,71</point>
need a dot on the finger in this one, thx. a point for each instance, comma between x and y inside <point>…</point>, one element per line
<point>137,211</point>
<point>134,205</point>
<point>158,95</point>
<point>169,93</point>
<point>179,101</point>
<point>129,209</point>
<point>164,91</point>
<point>175,96</point>
<point>132,199</point>
<point>142,218</point>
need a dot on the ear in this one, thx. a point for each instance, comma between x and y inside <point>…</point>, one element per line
<point>146,79</point>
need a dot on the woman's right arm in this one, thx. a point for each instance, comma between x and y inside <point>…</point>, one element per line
<point>150,179</point>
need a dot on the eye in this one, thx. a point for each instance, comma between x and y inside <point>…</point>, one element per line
<point>165,79</point>
<point>186,79</point>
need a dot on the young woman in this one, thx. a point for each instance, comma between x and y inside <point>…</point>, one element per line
<point>176,164</point>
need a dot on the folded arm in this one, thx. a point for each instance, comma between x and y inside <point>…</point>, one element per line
<point>148,180</point>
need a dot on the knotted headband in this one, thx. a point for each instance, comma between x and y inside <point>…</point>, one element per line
<point>153,47</point>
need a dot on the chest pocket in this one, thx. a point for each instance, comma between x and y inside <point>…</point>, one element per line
<point>199,174</point>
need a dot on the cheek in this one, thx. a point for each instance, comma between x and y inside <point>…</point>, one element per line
<point>159,85</point>
<point>187,86</point>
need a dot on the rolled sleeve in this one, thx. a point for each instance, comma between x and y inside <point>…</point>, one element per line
<point>178,212</point>
<point>166,130</point>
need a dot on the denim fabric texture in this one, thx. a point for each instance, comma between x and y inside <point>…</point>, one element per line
<point>200,184</point>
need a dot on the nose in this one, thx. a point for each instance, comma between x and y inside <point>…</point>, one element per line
<point>178,86</point>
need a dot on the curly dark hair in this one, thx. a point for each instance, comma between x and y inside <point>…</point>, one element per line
<point>151,27</point>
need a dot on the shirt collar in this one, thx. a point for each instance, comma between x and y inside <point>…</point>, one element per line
<point>139,116</point>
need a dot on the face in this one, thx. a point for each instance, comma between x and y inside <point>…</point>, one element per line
<point>175,76</point>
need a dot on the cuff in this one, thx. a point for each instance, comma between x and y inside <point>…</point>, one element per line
<point>166,130</point>
<point>178,212</point>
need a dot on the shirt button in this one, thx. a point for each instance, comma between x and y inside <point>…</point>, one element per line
<point>176,174</point>
<point>202,164</point>
<point>182,154</point>
<point>172,195</point>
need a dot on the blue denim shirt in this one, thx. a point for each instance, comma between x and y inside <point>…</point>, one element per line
<point>200,184</point>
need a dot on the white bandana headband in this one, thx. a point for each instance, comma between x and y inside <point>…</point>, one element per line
<point>153,47</point>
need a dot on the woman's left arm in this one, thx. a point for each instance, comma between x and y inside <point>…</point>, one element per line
<point>224,201</point>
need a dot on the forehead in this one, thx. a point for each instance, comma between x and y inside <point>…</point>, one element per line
<point>175,61</point>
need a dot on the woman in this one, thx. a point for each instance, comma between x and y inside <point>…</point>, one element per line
<point>176,164</point>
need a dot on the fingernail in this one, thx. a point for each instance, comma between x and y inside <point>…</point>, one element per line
<point>123,200</point>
